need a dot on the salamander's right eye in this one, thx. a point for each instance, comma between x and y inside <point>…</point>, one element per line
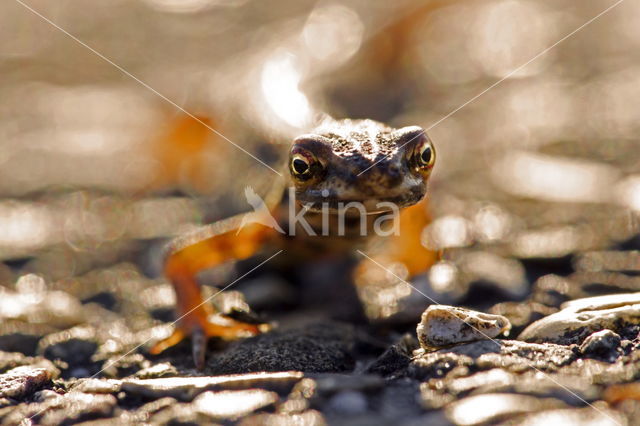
<point>300,166</point>
<point>304,165</point>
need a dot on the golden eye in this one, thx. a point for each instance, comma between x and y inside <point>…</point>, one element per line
<point>300,165</point>
<point>426,156</point>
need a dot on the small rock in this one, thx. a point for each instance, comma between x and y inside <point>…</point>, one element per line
<point>9,360</point>
<point>233,404</point>
<point>71,408</point>
<point>602,344</point>
<point>307,418</point>
<point>481,409</point>
<point>496,377</point>
<point>510,355</point>
<point>163,369</point>
<point>443,325</point>
<point>186,388</point>
<point>23,381</point>
<point>609,261</point>
<point>580,318</point>
<point>97,386</point>
<point>33,303</point>
<point>434,399</point>
<point>178,414</point>
<point>588,416</point>
<point>47,395</point>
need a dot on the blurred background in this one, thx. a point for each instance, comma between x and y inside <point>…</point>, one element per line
<point>99,165</point>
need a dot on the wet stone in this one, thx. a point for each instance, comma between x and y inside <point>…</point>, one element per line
<point>572,389</point>
<point>482,409</point>
<point>233,404</point>
<point>609,260</point>
<point>33,303</point>
<point>70,408</point>
<point>443,325</point>
<point>23,381</point>
<point>598,283</point>
<point>307,418</point>
<point>624,369</point>
<point>493,378</point>
<point>580,318</point>
<point>186,388</point>
<point>600,415</point>
<point>163,369</point>
<point>97,386</point>
<point>509,355</point>
<point>9,360</point>
<point>553,290</point>
<point>434,399</point>
<point>602,344</point>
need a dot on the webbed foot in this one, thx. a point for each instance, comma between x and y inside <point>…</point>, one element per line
<point>215,325</point>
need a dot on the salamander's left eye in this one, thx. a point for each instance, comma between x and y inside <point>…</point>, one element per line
<point>426,155</point>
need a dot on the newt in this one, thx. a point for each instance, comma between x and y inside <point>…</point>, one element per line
<point>342,179</point>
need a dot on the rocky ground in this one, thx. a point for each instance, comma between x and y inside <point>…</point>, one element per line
<point>80,356</point>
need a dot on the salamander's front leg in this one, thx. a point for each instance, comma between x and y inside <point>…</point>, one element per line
<point>211,246</point>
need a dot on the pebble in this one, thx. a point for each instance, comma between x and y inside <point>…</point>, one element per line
<point>162,369</point>
<point>97,386</point>
<point>20,382</point>
<point>233,404</point>
<point>602,344</point>
<point>73,407</point>
<point>582,317</point>
<point>510,355</point>
<point>443,325</point>
<point>34,304</point>
<point>306,418</point>
<point>588,416</point>
<point>495,407</point>
<point>186,388</point>
<point>9,360</point>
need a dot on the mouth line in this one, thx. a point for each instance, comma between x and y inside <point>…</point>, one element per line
<point>316,204</point>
